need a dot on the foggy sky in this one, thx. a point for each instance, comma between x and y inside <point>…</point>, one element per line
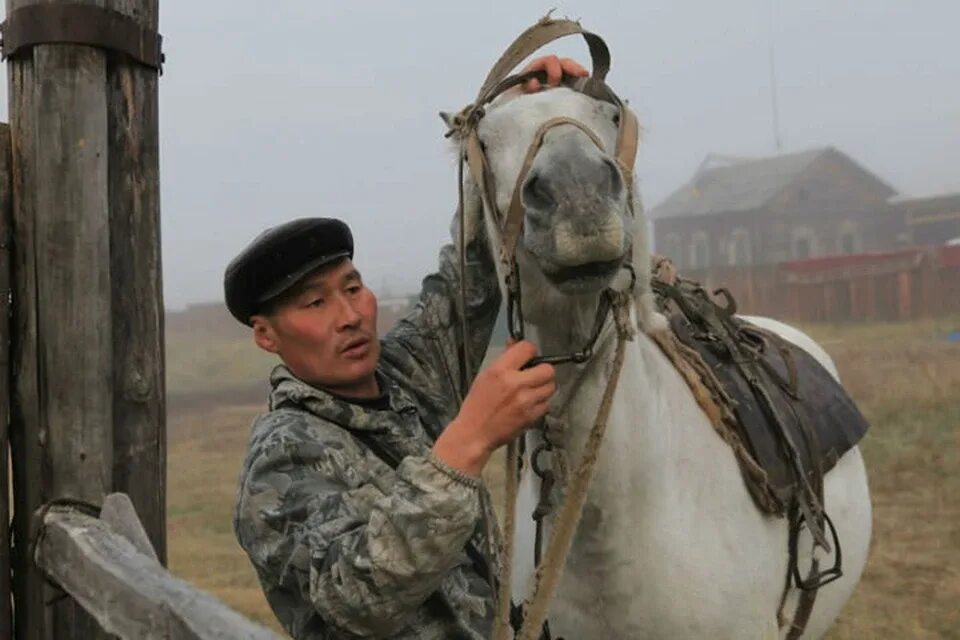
<point>275,110</point>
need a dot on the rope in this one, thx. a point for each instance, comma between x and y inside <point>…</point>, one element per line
<point>467,370</point>
<point>547,575</point>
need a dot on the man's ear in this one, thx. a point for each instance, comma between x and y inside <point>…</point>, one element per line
<point>264,334</point>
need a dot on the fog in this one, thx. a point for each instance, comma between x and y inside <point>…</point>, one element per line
<point>271,111</point>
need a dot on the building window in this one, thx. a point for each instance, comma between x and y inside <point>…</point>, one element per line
<point>803,243</point>
<point>700,251</point>
<point>847,243</point>
<point>740,250</point>
<point>848,240</point>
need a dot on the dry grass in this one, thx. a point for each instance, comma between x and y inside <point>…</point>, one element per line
<point>205,452</point>
<point>906,379</point>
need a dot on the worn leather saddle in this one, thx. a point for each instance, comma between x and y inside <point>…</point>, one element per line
<point>786,417</point>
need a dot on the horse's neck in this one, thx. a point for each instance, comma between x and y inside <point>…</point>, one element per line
<point>580,388</point>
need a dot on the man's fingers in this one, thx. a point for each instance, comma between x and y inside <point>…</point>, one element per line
<point>538,375</point>
<point>543,393</point>
<point>554,70</point>
<point>539,410</point>
<point>573,68</point>
<point>517,355</point>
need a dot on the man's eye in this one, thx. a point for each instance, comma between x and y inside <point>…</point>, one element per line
<point>316,302</point>
<point>355,289</point>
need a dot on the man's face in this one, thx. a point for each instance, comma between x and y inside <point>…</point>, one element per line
<point>326,333</point>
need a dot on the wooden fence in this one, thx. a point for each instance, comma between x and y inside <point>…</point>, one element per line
<point>83,418</point>
<point>893,286</point>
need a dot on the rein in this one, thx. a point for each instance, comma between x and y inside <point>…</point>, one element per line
<point>465,126</point>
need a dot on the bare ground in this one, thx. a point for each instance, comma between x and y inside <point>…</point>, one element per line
<point>906,378</point>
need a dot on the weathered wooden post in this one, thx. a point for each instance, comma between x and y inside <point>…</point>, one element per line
<point>6,612</point>
<point>88,392</point>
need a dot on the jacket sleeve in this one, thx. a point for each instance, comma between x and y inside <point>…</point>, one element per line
<point>363,555</point>
<point>431,334</point>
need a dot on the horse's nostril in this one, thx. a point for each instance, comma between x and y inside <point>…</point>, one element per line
<point>616,180</point>
<point>536,192</point>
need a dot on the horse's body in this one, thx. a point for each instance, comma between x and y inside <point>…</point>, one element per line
<point>671,544</point>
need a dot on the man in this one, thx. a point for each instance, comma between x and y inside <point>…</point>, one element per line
<point>360,500</point>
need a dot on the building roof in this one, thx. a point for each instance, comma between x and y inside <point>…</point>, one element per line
<point>725,185</point>
<point>929,204</point>
<point>826,263</point>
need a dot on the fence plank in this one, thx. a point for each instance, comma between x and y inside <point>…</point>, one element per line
<point>72,246</point>
<point>139,414</point>
<point>119,513</point>
<point>26,433</point>
<point>6,612</point>
<point>129,593</point>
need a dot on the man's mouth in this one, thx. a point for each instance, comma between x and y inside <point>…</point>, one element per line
<point>356,348</point>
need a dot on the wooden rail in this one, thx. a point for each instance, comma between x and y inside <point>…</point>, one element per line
<point>108,567</point>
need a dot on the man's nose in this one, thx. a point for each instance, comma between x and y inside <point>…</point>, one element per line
<point>349,316</point>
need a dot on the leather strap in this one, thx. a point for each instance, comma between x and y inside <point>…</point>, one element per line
<point>87,25</point>
<point>545,31</point>
<point>628,139</point>
<point>512,225</point>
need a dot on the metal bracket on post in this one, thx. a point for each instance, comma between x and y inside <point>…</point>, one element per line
<point>84,25</point>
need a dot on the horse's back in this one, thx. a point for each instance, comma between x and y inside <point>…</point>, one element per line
<point>799,338</point>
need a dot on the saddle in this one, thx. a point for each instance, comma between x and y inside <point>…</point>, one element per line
<point>786,417</point>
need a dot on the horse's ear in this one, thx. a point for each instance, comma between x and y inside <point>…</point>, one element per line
<point>447,118</point>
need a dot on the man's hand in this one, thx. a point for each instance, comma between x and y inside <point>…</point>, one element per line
<point>502,402</point>
<point>556,68</point>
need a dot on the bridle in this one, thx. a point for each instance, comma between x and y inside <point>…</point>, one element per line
<point>465,125</point>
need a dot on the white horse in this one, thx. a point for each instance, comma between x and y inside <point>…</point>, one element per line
<point>671,544</point>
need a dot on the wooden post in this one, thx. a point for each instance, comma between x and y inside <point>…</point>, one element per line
<point>6,612</point>
<point>904,297</point>
<point>139,446</point>
<point>88,408</point>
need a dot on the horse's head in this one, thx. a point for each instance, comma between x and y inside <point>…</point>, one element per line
<point>577,218</point>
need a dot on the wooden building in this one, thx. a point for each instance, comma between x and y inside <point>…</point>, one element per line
<point>737,212</point>
<point>931,221</point>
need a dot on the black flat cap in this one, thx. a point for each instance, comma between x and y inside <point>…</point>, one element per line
<point>278,258</point>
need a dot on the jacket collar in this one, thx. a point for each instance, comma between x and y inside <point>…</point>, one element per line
<point>286,388</point>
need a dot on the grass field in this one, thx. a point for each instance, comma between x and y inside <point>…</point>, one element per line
<point>905,377</point>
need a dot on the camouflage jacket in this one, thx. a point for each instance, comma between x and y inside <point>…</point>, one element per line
<point>344,544</point>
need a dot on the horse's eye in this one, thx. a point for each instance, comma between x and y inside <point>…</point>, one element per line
<point>616,118</point>
<point>483,146</point>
